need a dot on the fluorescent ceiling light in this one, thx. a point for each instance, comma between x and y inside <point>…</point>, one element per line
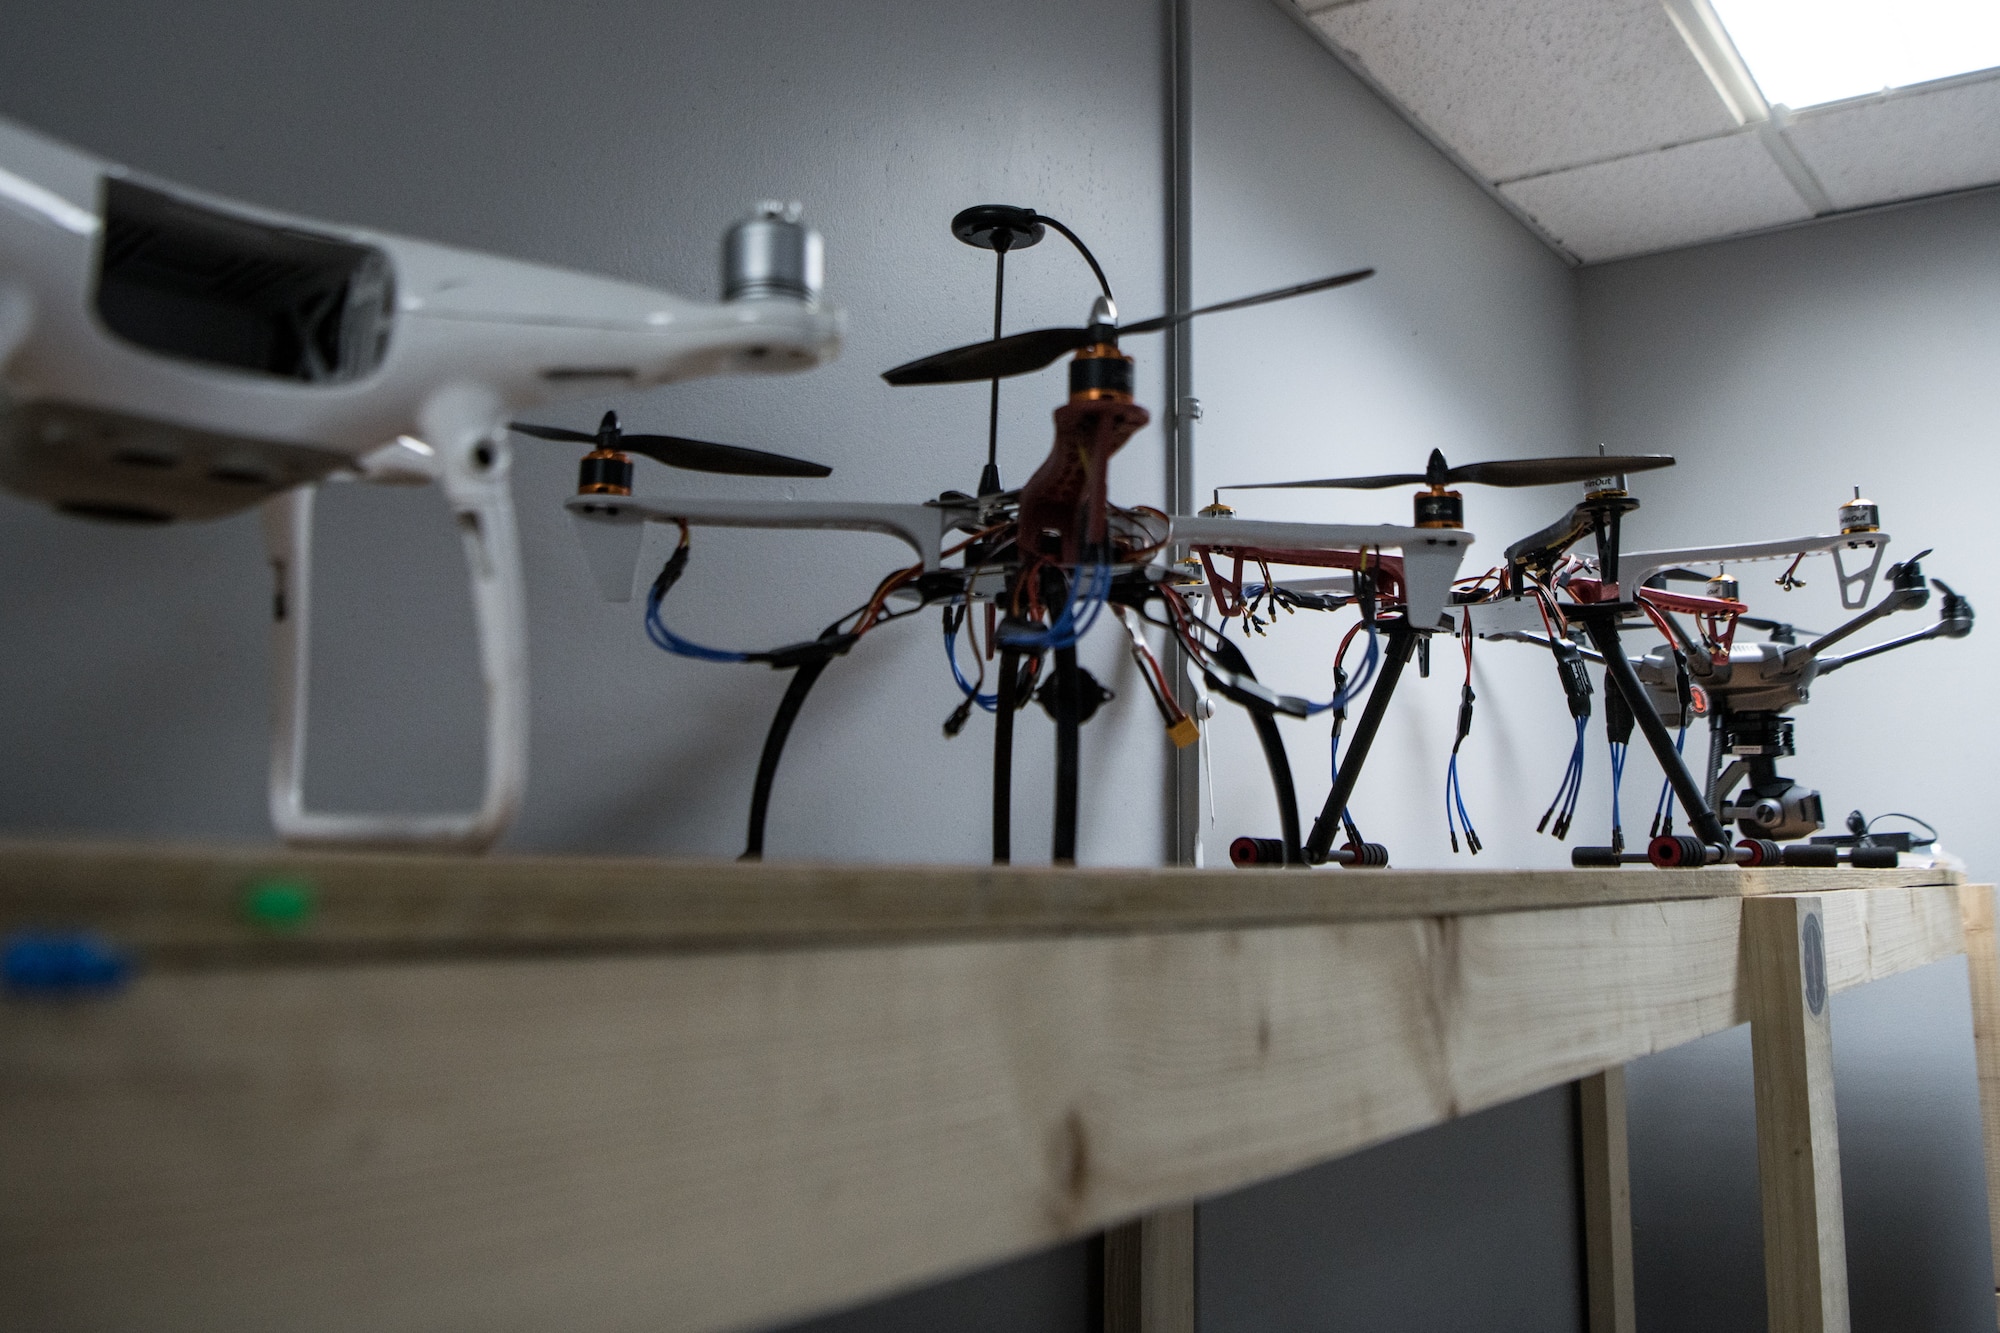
<point>1805,52</point>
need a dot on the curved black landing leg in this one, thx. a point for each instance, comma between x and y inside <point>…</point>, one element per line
<point>1281,780</point>
<point>1402,639</point>
<point>1273,742</point>
<point>1003,756</point>
<point>1068,726</point>
<point>803,679</point>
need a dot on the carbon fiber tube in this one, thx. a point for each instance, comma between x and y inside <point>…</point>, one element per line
<point>1003,757</point>
<point>1402,639</point>
<point>803,679</point>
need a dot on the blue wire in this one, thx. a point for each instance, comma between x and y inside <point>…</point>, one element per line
<point>662,637</point>
<point>1563,807</point>
<point>990,702</point>
<point>1087,597</point>
<point>1618,752</point>
<point>1665,805</point>
<point>1366,674</point>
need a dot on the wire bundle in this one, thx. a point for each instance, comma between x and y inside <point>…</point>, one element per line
<point>989,702</point>
<point>656,628</point>
<point>1618,752</point>
<point>1086,600</point>
<point>1455,815</point>
<point>1345,694</point>
<point>1663,810</point>
<point>1563,807</point>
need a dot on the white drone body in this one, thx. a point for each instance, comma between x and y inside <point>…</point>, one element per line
<point>168,355</point>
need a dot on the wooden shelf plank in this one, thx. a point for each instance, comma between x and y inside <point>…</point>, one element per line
<point>700,1140</point>
<point>182,906</point>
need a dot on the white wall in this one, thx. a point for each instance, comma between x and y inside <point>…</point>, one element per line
<point>620,138</point>
<point>1782,370</point>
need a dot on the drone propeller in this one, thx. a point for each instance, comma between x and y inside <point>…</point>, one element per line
<point>678,451</point>
<point>1020,353</point>
<point>1503,472</point>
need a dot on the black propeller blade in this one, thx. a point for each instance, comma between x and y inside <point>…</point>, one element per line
<point>557,433</point>
<point>679,451</point>
<point>1502,472</point>
<point>1020,353</point>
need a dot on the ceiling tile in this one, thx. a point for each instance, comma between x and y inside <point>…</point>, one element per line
<point>1903,145</point>
<point>1654,201</point>
<point>1533,85</point>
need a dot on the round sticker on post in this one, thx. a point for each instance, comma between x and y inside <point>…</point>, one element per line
<point>1813,958</point>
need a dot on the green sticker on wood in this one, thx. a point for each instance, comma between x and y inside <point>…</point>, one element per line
<point>279,903</point>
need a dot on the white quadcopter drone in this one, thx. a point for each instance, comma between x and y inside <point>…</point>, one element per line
<point>165,354</point>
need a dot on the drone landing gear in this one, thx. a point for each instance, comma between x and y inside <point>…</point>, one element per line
<point>1333,815</point>
<point>1005,706</point>
<point>1069,724</point>
<point>1289,851</point>
<point>803,679</point>
<point>1683,851</point>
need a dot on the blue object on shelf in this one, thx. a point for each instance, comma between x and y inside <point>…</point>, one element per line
<point>61,962</point>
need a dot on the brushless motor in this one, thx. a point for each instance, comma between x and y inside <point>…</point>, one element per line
<point>1440,509</point>
<point>1101,372</point>
<point>1859,515</point>
<point>773,254</point>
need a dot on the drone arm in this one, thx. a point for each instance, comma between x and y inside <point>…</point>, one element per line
<point>1540,550</point>
<point>1954,622</point>
<point>1902,597</point>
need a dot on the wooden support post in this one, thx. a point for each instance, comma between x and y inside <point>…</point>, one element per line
<point>1607,1201</point>
<point>1149,1273</point>
<point>1798,1144</point>
<point>1982,967</point>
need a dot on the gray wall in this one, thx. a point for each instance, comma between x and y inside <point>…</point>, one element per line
<point>1781,370</point>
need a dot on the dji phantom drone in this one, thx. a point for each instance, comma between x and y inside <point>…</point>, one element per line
<point>165,354</point>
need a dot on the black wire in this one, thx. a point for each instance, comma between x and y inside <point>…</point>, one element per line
<point>1082,249</point>
<point>1869,827</point>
